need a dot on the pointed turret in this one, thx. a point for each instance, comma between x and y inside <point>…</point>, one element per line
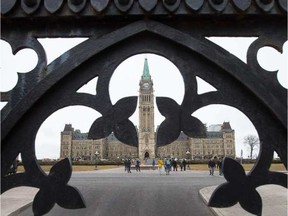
<point>146,73</point>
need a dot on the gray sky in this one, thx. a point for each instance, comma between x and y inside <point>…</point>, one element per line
<point>125,82</point>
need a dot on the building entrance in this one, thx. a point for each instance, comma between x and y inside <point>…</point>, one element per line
<point>146,155</point>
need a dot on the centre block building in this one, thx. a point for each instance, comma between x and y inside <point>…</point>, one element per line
<point>219,142</point>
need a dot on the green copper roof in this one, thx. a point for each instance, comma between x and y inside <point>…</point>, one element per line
<point>146,73</point>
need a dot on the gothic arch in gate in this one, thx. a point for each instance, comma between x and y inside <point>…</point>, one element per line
<point>48,88</point>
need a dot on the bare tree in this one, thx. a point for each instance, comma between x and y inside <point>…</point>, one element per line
<point>252,142</point>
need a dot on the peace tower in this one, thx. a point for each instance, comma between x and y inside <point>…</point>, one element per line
<point>146,133</point>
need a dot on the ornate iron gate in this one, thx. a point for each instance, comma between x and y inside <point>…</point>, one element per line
<point>117,30</point>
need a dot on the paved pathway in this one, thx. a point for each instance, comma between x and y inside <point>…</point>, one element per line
<point>113,192</point>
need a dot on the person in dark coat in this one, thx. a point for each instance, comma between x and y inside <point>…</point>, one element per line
<point>184,164</point>
<point>129,166</point>
<point>211,166</point>
<point>137,166</point>
<point>174,164</point>
<point>153,164</point>
<point>219,165</point>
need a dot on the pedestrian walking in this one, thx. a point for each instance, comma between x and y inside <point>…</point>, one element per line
<point>129,166</point>
<point>137,166</point>
<point>160,165</point>
<point>174,164</point>
<point>211,166</point>
<point>153,164</point>
<point>184,164</point>
<point>219,164</point>
<point>167,166</point>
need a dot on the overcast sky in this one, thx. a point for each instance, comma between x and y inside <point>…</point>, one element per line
<point>125,82</point>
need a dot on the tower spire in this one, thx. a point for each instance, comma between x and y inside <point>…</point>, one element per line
<point>146,135</point>
<point>146,73</point>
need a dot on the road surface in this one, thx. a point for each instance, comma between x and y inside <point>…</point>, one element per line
<point>146,193</point>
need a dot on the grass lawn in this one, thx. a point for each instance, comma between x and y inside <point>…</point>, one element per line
<point>247,167</point>
<point>77,168</point>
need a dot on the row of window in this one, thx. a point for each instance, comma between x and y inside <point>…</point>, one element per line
<point>174,148</point>
<point>173,154</point>
<point>208,141</point>
<point>97,147</point>
<point>146,98</point>
<point>119,148</point>
<point>214,146</point>
<point>80,153</point>
<point>213,152</point>
<point>128,154</point>
<point>146,109</point>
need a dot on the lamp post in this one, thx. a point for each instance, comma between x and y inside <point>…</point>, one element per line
<point>96,157</point>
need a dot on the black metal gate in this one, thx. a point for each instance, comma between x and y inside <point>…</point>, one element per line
<point>117,30</point>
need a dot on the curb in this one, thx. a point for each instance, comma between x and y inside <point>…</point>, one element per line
<point>206,196</point>
<point>22,208</point>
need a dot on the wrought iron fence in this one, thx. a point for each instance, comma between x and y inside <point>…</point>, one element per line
<point>116,30</point>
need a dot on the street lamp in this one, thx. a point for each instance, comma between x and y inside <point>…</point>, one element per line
<point>96,157</point>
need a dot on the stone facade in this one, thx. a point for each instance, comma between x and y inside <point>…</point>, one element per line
<point>220,142</point>
<point>77,146</point>
<point>146,132</point>
<point>220,139</point>
<point>118,150</point>
<point>176,149</point>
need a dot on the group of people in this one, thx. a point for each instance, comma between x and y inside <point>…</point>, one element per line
<point>128,163</point>
<point>168,164</point>
<point>171,163</point>
<point>214,162</point>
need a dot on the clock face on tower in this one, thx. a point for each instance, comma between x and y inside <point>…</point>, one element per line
<point>146,85</point>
